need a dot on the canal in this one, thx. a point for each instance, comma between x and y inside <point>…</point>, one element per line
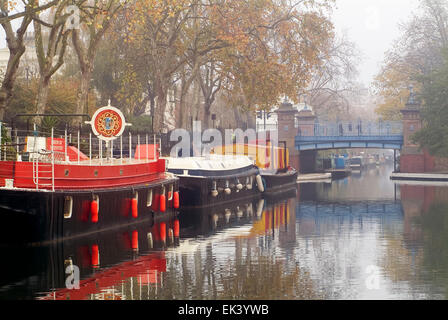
<point>359,238</point>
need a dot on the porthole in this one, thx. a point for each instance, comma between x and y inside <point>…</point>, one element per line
<point>68,207</point>
<point>66,172</point>
<point>95,173</point>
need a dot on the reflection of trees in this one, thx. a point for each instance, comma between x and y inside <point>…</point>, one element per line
<point>398,263</point>
<point>241,262</point>
<point>435,245</point>
<point>424,262</point>
<point>242,281</point>
<point>249,274</point>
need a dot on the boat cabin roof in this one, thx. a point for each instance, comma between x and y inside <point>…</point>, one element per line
<point>210,163</point>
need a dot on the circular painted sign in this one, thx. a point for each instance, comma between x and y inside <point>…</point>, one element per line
<point>108,123</point>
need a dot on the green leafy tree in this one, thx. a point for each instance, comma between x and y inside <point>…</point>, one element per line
<point>434,135</point>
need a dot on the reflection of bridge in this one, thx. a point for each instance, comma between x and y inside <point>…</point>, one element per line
<point>350,209</point>
<point>344,135</point>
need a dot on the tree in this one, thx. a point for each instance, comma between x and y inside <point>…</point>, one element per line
<point>210,81</point>
<point>276,48</point>
<point>434,135</point>
<point>96,18</point>
<point>417,53</point>
<point>50,50</point>
<point>62,98</point>
<point>168,35</point>
<point>334,82</point>
<point>257,50</point>
<point>15,42</point>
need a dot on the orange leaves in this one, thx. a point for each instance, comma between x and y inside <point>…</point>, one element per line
<point>391,84</point>
<point>274,48</point>
<point>264,48</point>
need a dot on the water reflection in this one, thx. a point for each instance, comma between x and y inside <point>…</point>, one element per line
<point>400,229</point>
<point>316,243</point>
<point>103,262</point>
<point>231,253</point>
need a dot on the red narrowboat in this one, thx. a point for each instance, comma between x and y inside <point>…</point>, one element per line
<point>62,185</point>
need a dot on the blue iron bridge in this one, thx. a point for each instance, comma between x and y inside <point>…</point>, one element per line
<point>348,135</point>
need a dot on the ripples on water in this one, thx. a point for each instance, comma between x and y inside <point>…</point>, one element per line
<point>324,241</point>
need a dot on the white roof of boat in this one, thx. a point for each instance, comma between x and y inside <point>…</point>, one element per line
<point>212,162</point>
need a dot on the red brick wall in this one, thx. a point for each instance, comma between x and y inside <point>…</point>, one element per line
<point>421,163</point>
<point>412,163</point>
<point>429,162</point>
<point>440,164</point>
<point>294,161</point>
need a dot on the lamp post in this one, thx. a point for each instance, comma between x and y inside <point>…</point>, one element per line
<point>380,122</point>
<point>263,114</point>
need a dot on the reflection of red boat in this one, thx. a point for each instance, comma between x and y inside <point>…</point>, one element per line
<point>147,269</point>
<point>50,188</point>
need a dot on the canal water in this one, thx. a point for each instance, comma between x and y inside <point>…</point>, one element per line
<point>359,238</point>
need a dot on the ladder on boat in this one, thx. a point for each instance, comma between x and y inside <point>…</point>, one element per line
<point>43,171</point>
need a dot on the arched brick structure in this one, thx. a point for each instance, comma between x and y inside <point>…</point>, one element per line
<point>413,158</point>
<point>291,123</point>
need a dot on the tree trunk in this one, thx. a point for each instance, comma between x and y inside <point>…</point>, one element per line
<point>159,112</point>
<point>238,119</point>
<point>83,95</point>
<point>16,51</point>
<point>207,114</point>
<point>42,97</point>
<point>180,114</point>
<point>182,111</point>
<point>5,96</point>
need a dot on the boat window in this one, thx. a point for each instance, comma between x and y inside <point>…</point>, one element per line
<point>149,198</point>
<point>97,199</point>
<point>68,207</point>
<point>170,193</point>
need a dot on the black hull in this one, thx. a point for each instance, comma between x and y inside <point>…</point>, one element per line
<point>203,222</point>
<point>35,271</point>
<point>196,192</point>
<point>36,217</point>
<point>279,182</point>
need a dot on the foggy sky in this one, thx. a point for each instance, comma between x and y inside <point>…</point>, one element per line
<point>373,26</point>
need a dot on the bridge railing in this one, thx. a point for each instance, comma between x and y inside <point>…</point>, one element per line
<point>356,128</point>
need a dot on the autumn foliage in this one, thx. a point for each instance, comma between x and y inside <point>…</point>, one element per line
<point>262,50</point>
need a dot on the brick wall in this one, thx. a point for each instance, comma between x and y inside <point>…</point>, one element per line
<point>412,163</point>
<point>440,164</point>
<point>422,163</point>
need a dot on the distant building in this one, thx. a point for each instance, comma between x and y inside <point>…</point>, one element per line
<point>28,67</point>
<point>4,57</point>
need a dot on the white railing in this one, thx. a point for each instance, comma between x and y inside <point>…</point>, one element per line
<point>98,152</point>
<point>43,170</point>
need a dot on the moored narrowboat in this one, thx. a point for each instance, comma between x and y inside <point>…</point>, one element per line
<point>273,162</point>
<point>211,180</point>
<point>50,189</point>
